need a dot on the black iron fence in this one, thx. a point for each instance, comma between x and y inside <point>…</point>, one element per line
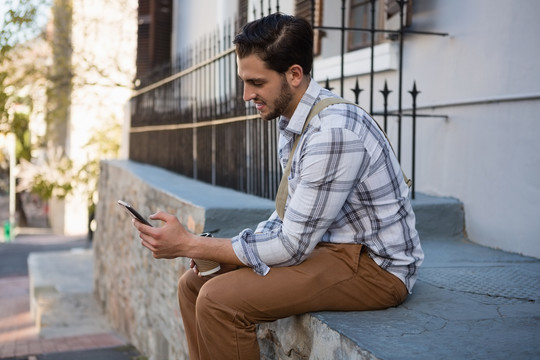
<point>190,118</point>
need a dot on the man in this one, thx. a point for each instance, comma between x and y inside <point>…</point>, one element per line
<point>347,240</point>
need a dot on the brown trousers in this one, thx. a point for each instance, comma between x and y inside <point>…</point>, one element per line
<point>220,314</point>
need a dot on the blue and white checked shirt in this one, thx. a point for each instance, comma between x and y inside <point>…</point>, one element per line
<point>345,186</point>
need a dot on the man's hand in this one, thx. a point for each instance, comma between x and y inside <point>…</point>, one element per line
<point>172,240</point>
<point>169,241</point>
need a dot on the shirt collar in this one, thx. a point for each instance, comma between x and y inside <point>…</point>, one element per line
<point>296,123</point>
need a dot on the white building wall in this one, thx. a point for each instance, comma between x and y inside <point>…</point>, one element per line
<point>483,79</point>
<point>486,154</point>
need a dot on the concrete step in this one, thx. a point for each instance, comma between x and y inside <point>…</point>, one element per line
<point>470,302</point>
<point>439,217</point>
<point>61,294</point>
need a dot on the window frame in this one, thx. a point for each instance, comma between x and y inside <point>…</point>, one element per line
<point>303,9</point>
<point>379,21</point>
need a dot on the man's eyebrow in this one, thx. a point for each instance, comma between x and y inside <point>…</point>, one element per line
<point>254,80</point>
<point>251,80</point>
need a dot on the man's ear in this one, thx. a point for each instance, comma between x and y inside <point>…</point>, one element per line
<point>295,75</point>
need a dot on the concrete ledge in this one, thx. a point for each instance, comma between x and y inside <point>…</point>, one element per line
<point>435,216</point>
<point>138,293</point>
<point>308,337</point>
<point>470,302</point>
<point>225,210</point>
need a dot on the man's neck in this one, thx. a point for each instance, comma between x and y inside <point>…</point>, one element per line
<point>299,93</point>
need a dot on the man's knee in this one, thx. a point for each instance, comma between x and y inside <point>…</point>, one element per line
<point>216,300</point>
<point>188,284</point>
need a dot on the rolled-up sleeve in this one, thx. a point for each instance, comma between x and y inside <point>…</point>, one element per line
<point>243,246</point>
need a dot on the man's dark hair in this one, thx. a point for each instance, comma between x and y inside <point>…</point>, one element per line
<point>279,40</point>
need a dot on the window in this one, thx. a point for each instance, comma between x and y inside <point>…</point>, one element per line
<point>304,9</point>
<point>387,16</point>
<point>154,35</point>
<point>360,18</point>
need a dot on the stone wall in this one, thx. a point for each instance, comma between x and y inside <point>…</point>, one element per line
<point>137,292</point>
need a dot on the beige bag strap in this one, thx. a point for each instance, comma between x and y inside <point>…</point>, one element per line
<point>283,190</point>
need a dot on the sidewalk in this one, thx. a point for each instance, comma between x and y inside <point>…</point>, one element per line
<point>71,326</point>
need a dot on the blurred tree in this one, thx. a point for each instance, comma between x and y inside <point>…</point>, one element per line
<point>75,78</point>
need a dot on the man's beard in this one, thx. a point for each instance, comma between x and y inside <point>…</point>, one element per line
<point>282,101</point>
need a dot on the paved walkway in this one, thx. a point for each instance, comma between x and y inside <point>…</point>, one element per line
<point>20,338</point>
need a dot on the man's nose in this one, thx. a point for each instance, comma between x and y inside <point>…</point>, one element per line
<point>248,93</point>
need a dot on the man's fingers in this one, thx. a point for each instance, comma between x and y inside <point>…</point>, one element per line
<point>161,215</point>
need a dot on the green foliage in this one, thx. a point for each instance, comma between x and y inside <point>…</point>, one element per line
<point>59,187</point>
<point>54,177</point>
<point>18,24</point>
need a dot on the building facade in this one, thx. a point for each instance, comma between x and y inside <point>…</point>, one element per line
<point>473,65</point>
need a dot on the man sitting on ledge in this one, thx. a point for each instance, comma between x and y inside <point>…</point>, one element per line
<point>342,238</point>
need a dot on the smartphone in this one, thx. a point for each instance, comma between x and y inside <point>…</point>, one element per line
<point>134,213</point>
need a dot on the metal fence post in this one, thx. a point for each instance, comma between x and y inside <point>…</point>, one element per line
<point>414,93</point>
<point>385,92</point>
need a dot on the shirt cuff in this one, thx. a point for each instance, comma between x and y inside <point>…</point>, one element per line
<point>244,248</point>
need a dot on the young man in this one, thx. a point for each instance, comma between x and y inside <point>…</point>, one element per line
<point>347,240</point>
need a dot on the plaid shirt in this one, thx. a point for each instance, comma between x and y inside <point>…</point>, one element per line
<point>345,186</point>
